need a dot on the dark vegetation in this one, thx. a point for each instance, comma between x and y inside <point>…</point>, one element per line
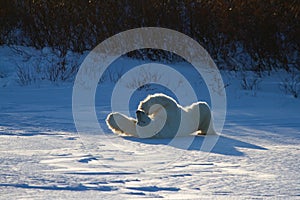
<point>263,35</point>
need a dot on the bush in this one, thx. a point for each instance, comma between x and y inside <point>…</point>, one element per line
<point>111,75</point>
<point>60,71</point>
<point>25,75</point>
<point>267,30</point>
<point>250,81</point>
<point>142,79</point>
<point>49,65</point>
<point>291,84</point>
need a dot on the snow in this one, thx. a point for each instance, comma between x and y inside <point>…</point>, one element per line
<point>43,156</point>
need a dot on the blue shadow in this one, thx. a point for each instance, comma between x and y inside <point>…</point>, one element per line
<point>224,145</point>
<point>54,187</point>
<point>154,189</point>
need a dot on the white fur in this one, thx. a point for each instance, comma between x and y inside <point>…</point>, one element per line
<point>153,119</point>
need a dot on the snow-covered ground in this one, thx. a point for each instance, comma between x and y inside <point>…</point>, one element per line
<point>42,156</point>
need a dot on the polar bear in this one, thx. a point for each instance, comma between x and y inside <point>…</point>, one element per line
<point>160,116</point>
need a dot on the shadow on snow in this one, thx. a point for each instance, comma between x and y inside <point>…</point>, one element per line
<point>79,187</point>
<point>224,145</point>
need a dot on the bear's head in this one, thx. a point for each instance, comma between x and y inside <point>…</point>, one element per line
<point>156,99</point>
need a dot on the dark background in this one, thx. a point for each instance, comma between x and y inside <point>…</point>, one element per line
<point>266,31</point>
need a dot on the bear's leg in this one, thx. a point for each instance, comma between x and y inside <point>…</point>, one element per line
<point>121,124</point>
<point>205,119</point>
<point>204,124</point>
